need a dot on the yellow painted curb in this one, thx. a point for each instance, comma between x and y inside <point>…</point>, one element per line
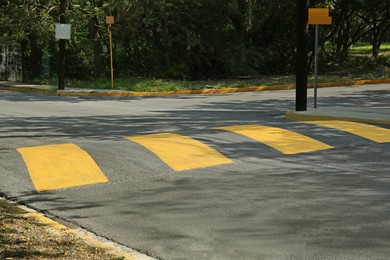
<point>88,239</point>
<point>352,83</point>
<point>171,93</point>
<point>214,91</point>
<point>93,93</point>
<point>303,117</point>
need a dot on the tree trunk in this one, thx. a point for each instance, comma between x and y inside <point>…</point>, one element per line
<point>35,59</point>
<point>97,48</point>
<point>301,56</point>
<point>375,36</point>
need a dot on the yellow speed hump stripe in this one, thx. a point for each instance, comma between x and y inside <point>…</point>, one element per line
<point>370,132</point>
<point>60,166</point>
<point>283,140</point>
<point>181,152</point>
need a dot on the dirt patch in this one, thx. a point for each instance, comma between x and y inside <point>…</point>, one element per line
<point>24,237</point>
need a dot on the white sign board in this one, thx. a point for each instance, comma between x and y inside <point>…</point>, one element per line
<point>63,31</point>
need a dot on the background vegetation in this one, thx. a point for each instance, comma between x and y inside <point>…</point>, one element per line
<point>190,39</point>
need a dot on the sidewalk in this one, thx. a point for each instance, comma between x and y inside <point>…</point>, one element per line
<point>358,114</point>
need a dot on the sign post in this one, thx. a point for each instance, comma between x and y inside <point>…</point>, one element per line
<point>317,16</point>
<point>316,64</point>
<point>63,34</point>
<point>110,21</point>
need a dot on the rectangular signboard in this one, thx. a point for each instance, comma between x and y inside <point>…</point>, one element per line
<point>63,31</point>
<point>319,16</point>
<point>320,20</point>
<point>110,20</point>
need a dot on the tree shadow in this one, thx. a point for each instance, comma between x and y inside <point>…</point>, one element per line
<point>330,200</point>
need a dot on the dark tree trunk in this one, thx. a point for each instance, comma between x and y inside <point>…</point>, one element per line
<point>375,36</point>
<point>35,59</point>
<point>302,56</point>
<point>97,48</point>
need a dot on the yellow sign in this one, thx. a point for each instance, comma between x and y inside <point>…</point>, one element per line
<point>319,16</point>
<point>110,20</point>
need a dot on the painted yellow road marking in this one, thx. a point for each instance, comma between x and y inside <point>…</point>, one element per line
<point>370,132</point>
<point>283,140</point>
<point>181,152</point>
<point>60,166</point>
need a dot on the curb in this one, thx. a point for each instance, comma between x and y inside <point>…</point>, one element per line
<point>351,83</point>
<point>117,93</point>
<point>92,93</point>
<point>291,115</point>
<point>30,89</point>
<point>87,237</point>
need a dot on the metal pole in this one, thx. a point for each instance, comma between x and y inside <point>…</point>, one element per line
<point>61,45</point>
<point>316,65</point>
<point>6,53</point>
<point>301,56</point>
<point>111,58</point>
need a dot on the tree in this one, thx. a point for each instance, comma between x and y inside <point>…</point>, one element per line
<point>189,39</point>
<point>301,60</point>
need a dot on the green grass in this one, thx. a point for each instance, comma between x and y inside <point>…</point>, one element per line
<point>364,48</point>
<point>130,84</point>
<point>159,85</point>
<point>152,85</point>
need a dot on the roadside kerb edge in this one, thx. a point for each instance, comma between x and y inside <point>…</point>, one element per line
<point>214,91</point>
<point>297,116</point>
<point>92,93</point>
<point>84,235</point>
<point>119,93</point>
<point>30,89</point>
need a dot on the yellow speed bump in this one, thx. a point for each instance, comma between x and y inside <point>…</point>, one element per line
<point>60,166</point>
<point>370,132</point>
<point>285,141</point>
<point>181,152</point>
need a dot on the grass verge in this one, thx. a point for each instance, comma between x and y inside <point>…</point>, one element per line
<point>24,237</point>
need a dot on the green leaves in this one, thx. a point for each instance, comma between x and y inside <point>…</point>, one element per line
<point>185,38</point>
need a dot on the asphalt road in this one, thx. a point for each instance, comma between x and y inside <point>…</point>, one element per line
<point>324,204</point>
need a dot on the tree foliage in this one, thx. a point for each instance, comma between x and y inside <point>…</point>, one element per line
<point>182,38</point>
